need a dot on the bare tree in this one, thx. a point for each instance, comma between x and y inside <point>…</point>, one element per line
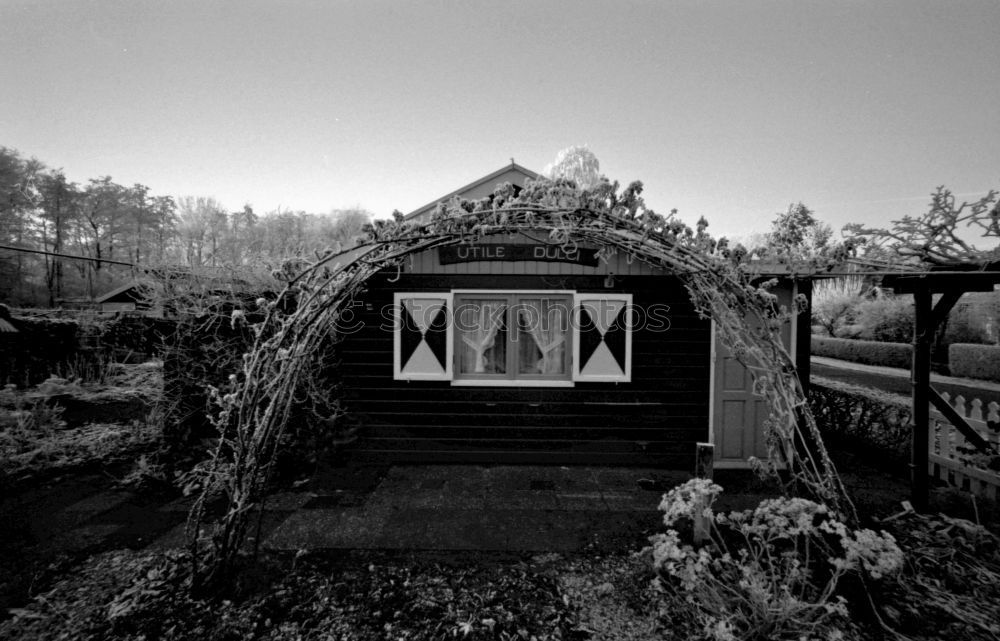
<point>940,235</point>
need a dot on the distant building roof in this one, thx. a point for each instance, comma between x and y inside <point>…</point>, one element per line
<point>128,293</point>
<point>513,173</point>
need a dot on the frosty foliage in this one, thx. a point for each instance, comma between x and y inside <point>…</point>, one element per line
<point>578,164</point>
<point>772,572</point>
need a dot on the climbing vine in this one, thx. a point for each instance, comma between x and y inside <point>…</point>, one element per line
<point>719,279</point>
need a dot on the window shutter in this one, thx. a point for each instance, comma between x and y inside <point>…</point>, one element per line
<point>422,336</point>
<point>602,340</point>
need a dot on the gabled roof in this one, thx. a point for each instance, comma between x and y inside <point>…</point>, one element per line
<point>513,173</point>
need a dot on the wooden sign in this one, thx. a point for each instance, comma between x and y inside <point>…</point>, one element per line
<point>510,252</point>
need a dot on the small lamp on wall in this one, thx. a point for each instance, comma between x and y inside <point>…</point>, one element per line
<point>609,280</point>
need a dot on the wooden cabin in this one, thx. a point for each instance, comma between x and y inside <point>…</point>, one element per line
<point>515,350</point>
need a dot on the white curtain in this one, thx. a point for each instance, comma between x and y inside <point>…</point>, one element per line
<point>480,322</point>
<point>546,323</point>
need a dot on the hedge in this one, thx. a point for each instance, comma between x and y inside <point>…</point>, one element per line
<point>970,360</point>
<point>867,352</point>
<point>871,423</point>
<point>43,347</point>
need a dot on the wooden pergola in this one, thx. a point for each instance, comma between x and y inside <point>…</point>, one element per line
<point>949,284</point>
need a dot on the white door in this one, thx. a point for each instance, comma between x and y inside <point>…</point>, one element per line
<point>737,416</point>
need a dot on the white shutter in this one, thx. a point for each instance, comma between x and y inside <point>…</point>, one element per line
<point>422,336</point>
<point>602,337</point>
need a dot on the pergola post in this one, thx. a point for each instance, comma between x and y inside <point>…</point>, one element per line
<point>923,330</point>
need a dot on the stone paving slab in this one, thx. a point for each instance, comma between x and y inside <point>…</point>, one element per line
<point>642,501</point>
<point>182,504</point>
<point>85,536</point>
<point>173,538</point>
<point>579,501</point>
<point>347,527</point>
<point>522,500</point>
<point>286,501</point>
<point>501,508</point>
<point>100,502</point>
<point>490,508</point>
<point>426,499</point>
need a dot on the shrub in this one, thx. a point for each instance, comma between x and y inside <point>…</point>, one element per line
<point>868,422</point>
<point>886,319</point>
<point>868,352</point>
<point>768,573</point>
<point>974,361</point>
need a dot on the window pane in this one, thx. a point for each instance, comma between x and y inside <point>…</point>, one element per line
<point>481,328</point>
<point>542,336</point>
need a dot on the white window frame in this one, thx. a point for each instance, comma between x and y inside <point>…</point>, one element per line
<point>516,382</point>
<point>397,306</point>
<point>578,299</point>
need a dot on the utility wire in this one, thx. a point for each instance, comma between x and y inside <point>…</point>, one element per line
<point>70,256</point>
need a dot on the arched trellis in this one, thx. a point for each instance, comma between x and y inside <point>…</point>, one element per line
<point>254,413</point>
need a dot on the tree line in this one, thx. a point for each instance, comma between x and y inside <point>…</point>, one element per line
<point>109,224</point>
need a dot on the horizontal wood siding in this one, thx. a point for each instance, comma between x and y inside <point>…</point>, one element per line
<point>654,420</point>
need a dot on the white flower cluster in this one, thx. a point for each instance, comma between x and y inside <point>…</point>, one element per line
<point>780,518</point>
<point>683,562</point>
<point>759,569</point>
<point>685,500</point>
<point>875,552</point>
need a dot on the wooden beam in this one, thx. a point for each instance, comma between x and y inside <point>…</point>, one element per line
<point>943,283</point>
<point>703,466</point>
<point>959,421</point>
<point>803,334</point>
<point>704,460</point>
<point>944,305</point>
<point>920,377</point>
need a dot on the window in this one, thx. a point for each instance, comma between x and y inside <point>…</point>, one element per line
<point>519,338</point>
<point>502,338</point>
<point>422,336</point>
<point>603,337</point>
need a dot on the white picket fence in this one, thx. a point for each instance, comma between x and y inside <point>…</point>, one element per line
<point>946,461</point>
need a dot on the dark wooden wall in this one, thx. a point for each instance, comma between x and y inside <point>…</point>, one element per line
<point>654,420</point>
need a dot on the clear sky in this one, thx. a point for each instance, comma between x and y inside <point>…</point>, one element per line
<point>731,110</point>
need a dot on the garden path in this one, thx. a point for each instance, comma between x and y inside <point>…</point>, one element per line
<point>477,508</point>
